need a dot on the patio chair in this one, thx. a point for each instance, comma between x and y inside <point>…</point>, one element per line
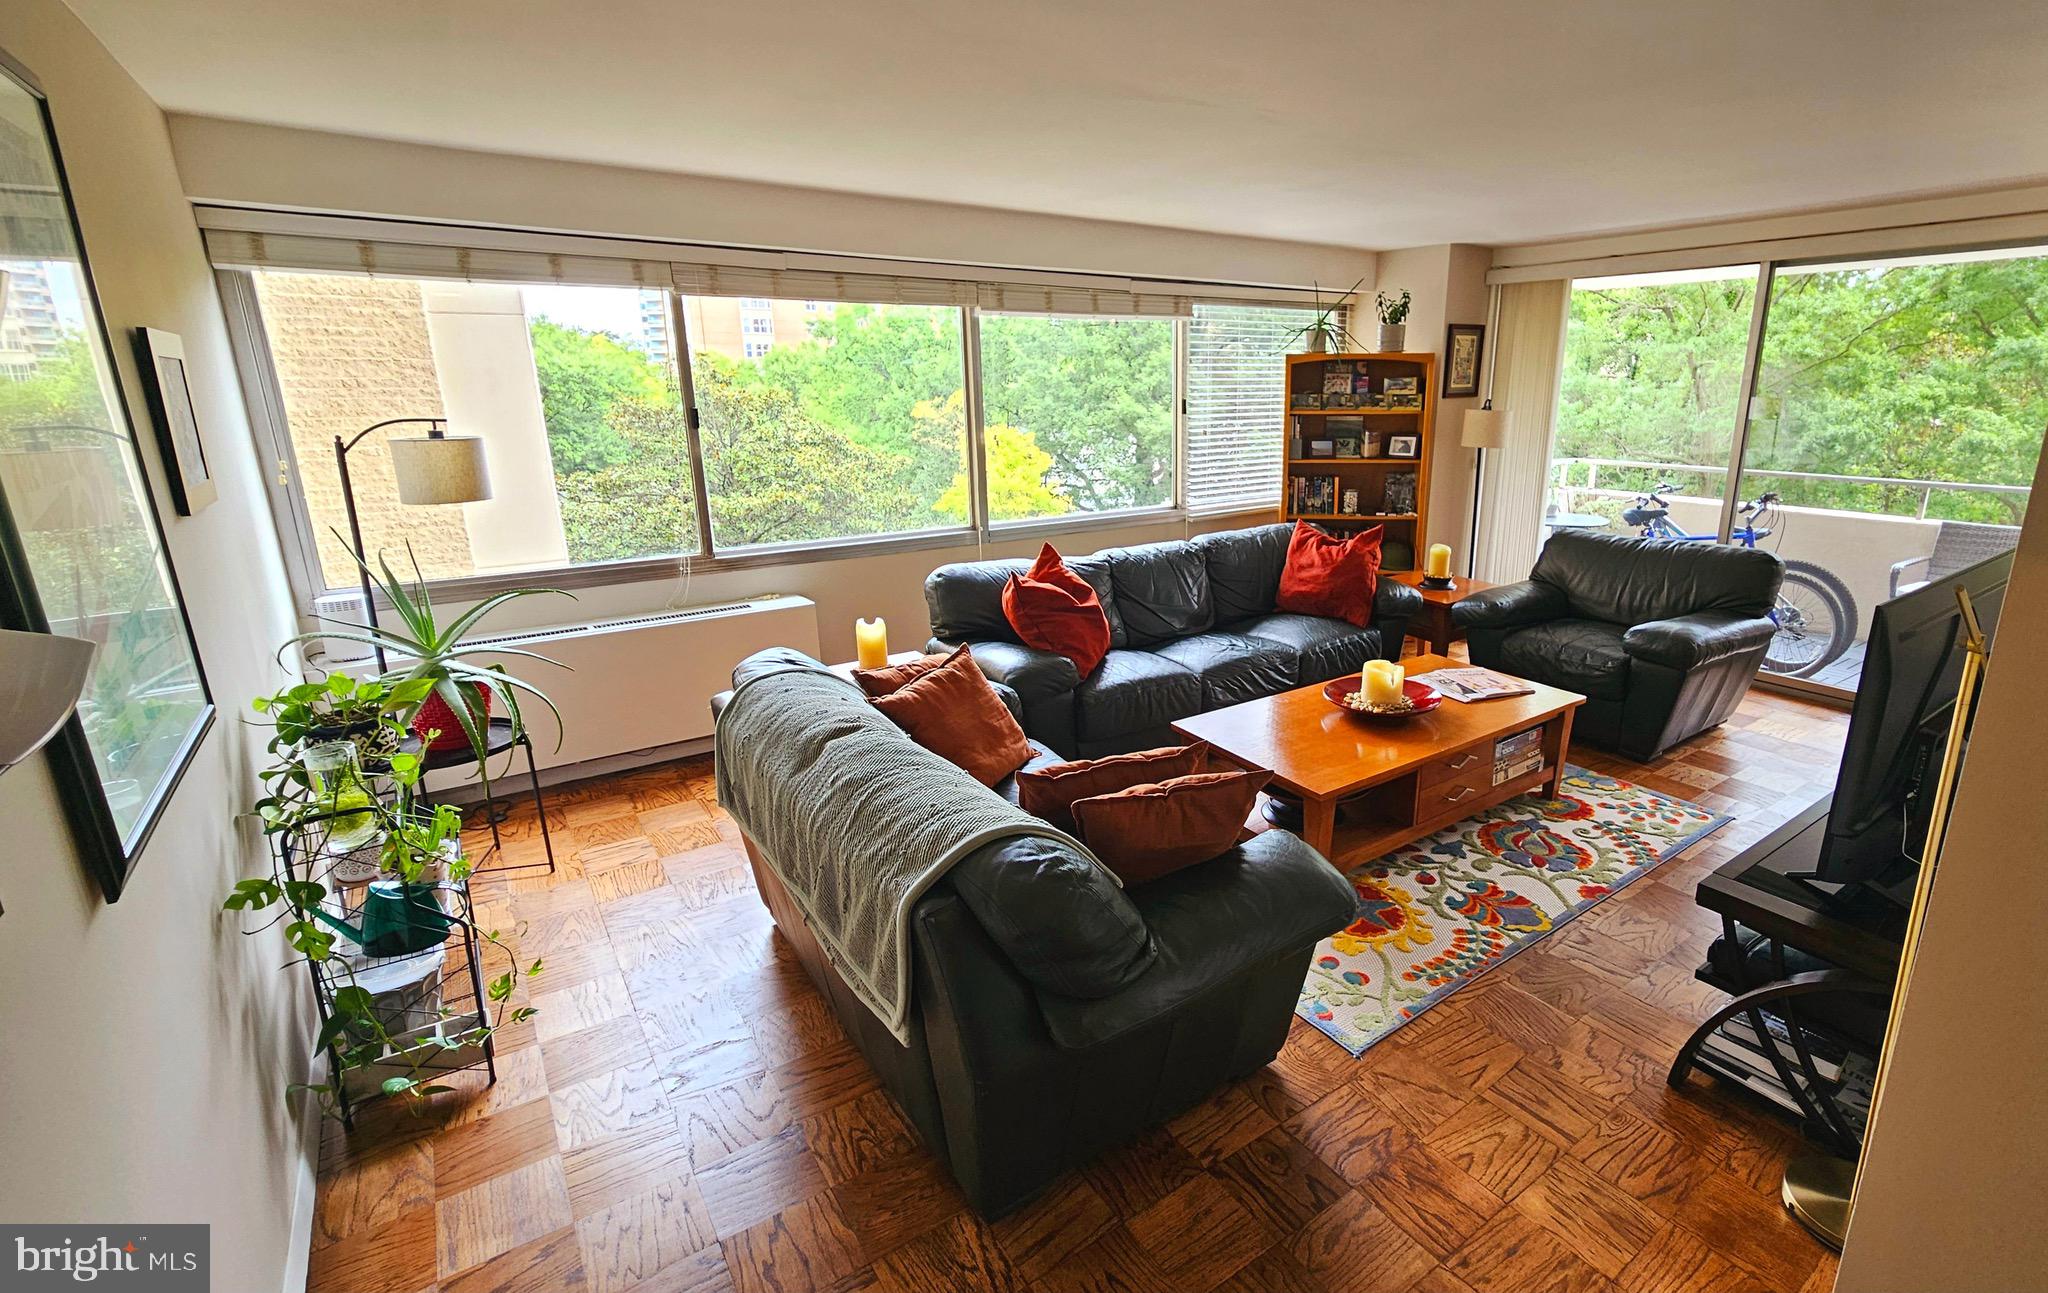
<point>1958,545</point>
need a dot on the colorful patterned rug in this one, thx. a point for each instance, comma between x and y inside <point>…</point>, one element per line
<point>1437,913</point>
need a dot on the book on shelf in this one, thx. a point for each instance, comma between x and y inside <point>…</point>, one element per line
<point>1516,755</point>
<point>1469,683</point>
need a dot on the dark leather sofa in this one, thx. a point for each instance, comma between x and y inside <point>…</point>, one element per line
<point>1192,628</point>
<point>1662,637</point>
<point>1056,1015</point>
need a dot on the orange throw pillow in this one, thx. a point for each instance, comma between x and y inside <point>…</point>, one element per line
<point>1331,577</point>
<point>1053,609</point>
<point>954,713</point>
<point>895,677</point>
<point>1050,792</point>
<point>1147,832</point>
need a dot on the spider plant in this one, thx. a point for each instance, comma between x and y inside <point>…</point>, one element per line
<point>1326,332</point>
<point>440,653</point>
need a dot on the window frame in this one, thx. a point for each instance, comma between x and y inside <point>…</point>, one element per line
<point>296,527</point>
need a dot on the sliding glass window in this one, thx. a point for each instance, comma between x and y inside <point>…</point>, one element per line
<point>828,420</point>
<point>1077,414</point>
<point>573,390</point>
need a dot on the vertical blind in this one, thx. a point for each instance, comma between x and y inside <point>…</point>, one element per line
<point>1528,365</point>
<point>1236,421</point>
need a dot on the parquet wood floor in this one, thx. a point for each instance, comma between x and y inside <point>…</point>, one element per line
<point>684,1114</point>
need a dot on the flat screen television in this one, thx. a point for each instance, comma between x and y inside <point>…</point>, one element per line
<point>1899,724</point>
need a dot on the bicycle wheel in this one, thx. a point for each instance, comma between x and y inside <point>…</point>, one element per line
<point>1816,617</point>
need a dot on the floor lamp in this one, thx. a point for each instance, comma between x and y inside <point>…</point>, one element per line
<point>1486,427</point>
<point>433,468</point>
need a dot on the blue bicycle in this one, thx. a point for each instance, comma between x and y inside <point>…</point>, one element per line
<point>1815,614</point>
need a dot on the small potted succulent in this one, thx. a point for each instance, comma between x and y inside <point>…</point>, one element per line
<point>1393,312</point>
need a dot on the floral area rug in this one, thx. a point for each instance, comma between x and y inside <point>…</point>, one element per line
<point>1437,913</point>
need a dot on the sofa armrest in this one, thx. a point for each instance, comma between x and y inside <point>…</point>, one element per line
<point>1032,674</point>
<point>1689,641</point>
<point>1394,606</point>
<point>1511,606</point>
<point>1209,923</point>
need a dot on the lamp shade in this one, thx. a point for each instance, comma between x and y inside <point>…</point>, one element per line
<point>1485,428</point>
<point>42,675</point>
<point>440,469</point>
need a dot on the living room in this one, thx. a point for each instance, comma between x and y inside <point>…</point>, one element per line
<point>868,409</point>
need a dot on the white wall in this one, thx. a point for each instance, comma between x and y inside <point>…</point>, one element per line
<point>144,1046</point>
<point>1957,1163</point>
<point>248,164</point>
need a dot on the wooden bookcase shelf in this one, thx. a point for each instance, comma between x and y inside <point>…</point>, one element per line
<point>1313,488</point>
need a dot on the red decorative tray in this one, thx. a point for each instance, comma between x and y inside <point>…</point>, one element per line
<point>1425,697</point>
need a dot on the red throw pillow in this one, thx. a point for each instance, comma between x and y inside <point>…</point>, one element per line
<point>1146,832</point>
<point>1054,609</point>
<point>1050,792</point>
<point>1330,576</point>
<point>895,677</point>
<point>954,713</point>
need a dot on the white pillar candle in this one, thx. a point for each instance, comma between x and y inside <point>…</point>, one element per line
<point>1382,682</point>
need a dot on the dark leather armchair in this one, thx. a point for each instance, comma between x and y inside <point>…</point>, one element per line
<point>1056,1015</point>
<point>1192,627</point>
<point>1662,637</point>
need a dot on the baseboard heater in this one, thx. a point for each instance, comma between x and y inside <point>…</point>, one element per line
<point>642,682</point>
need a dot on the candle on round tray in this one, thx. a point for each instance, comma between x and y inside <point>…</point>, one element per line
<point>1382,682</point>
<point>871,642</point>
<point>1438,566</point>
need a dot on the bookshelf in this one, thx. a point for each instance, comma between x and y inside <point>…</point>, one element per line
<point>1392,489</point>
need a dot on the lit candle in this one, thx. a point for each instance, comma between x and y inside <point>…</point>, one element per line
<point>1383,680</point>
<point>1439,561</point>
<point>871,642</point>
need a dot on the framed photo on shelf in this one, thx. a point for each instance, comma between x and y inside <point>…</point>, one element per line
<point>161,356</point>
<point>1464,347</point>
<point>1403,446</point>
<point>1322,448</point>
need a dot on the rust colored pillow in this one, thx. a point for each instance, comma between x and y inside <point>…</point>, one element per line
<point>1053,609</point>
<point>1329,576</point>
<point>1146,832</point>
<point>1050,792</point>
<point>954,713</point>
<point>895,677</point>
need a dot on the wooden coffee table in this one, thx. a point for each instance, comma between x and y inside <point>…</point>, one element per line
<point>1367,788</point>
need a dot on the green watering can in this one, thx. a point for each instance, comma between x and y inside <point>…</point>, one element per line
<point>398,919</point>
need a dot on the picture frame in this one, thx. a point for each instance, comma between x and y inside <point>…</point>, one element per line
<point>82,549</point>
<point>1404,446</point>
<point>1321,448</point>
<point>1464,350</point>
<point>161,357</point>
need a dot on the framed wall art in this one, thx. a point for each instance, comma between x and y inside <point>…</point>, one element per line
<point>161,356</point>
<point>81,546</point>
<point>1464,347</point>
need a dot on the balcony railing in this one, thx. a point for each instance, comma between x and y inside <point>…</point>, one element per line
<point>1561,479</point>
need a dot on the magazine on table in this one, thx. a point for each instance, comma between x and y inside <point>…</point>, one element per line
<point>1469,684</point>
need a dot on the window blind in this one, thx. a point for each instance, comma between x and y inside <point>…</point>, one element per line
<point>1236,419</point>
<point>379,258</point>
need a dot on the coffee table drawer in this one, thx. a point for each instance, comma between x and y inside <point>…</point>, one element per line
<point>1468,787</point>
<point>1450,767</point>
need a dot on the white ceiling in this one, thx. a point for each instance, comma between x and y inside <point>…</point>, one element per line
<point>1370,123</point>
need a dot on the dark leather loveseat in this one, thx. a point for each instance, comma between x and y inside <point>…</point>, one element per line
<point>1192,628</point>
<point>1055,1015</point>
<point>1662,637</point>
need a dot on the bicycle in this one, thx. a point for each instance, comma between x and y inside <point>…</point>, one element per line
<point>1815,614</point>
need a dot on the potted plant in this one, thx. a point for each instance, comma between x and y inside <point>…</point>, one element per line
<point>456,708</point>
<point>342,708</point>
<point>1393,311</point>
<point>385,1033</point>
<point>1326,332</point>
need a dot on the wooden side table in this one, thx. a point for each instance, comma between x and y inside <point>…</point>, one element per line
<point>1434,626</point>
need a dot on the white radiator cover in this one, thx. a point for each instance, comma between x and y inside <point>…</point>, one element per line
<point>644,681</point>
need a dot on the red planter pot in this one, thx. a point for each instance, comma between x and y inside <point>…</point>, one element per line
<point>435,715</point>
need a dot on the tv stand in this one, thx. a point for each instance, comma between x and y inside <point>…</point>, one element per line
<point>1822,963</point>
<point>1894,885</point>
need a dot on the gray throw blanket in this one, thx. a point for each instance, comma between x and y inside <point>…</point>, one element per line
<point>855,818</point>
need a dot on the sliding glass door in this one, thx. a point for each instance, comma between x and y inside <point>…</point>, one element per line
<point>1895,424</point>
<point>1895,415</point>
<point>1652,374</point>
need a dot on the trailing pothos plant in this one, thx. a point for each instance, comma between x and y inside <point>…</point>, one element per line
<point>420,848</point>
<point>372,713</point>
<point>439,654</point>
